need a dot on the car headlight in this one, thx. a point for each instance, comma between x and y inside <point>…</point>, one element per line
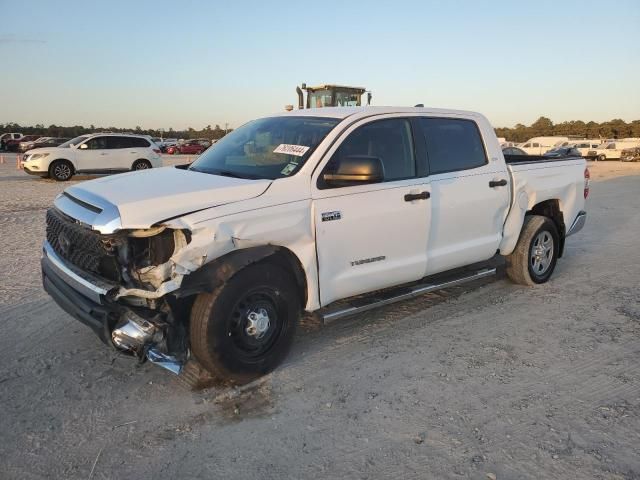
<point>38,156</point>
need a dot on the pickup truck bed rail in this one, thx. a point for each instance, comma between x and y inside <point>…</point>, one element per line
<point>520,159</point>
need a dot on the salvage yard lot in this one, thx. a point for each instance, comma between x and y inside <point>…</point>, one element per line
<point>490,378</point>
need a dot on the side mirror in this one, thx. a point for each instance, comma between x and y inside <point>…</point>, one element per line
<point>84,146</point>
<point>355,170</point>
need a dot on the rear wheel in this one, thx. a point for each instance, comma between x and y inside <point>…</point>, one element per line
<point>536,253</point>
<point>244,328</point>
<point>141,165</point>
<point>602,158</point>
<point>61,170</point>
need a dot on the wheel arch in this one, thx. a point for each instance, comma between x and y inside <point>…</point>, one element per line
<point>215,273</point>
<point>551,209</point>
<point>69,161</point>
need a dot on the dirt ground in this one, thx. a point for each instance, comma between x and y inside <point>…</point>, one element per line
<point>487,381</point>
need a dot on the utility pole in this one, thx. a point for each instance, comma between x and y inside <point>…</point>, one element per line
<point>226,127</point>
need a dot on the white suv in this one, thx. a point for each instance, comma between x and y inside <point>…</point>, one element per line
<point>95,153</point>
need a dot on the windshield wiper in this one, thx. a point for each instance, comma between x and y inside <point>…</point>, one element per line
<point>227,173</point>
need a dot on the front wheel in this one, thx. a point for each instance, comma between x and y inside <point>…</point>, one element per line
<point>245,328</point>
<point>536,253</point>
<point>61,170</point>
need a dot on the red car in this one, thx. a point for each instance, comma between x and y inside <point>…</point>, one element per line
<point>192,147</point>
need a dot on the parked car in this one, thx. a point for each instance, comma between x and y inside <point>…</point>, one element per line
<point>12,145</point>
<point>166,143</point>
<point>41,142</point>
<point>563,152</point>
<point>539,145</point>
<point>6,137</point>
<point>213,263</point>
<point>190,147</point>
<point>513,151</point>
<point>95,153</point>
<point>630,155</point>
<point>585,146</point>
<point>612,150</point>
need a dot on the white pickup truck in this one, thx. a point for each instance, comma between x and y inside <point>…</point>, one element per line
<point>333,211</point>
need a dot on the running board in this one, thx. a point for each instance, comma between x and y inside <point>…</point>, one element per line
<point>364,304</point>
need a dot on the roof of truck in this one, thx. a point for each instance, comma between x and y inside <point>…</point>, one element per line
<point>344,112</point>
<point>327,86</point>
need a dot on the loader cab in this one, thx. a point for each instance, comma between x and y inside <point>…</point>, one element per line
<point>331,96</point>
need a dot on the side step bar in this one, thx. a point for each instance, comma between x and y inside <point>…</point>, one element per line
<point>396,295</point>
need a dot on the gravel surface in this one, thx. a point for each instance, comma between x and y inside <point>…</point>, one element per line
<point>492,380</point>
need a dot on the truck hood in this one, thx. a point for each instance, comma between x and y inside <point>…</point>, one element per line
<point>147,197</point>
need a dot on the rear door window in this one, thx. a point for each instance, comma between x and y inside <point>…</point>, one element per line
<point>116,142</point>
<point>452,144</point>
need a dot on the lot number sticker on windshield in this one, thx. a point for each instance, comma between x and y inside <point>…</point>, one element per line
<point>297,150</point>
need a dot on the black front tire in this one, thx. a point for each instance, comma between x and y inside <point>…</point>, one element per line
<point>61,170</point>
<point>223,336</point>
<point>533,260</point>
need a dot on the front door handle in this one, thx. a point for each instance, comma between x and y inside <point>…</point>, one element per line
<point>410,197</point>
<point>497,183</point>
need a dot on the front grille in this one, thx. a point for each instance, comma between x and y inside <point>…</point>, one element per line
<point>86,249</point>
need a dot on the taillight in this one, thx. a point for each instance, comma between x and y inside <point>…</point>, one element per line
<point>587,177</point>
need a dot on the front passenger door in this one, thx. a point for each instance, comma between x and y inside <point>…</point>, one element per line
<point>94,157</point>
<point>372,236</point>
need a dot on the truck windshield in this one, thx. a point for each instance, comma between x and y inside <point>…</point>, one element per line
<point>268,148</point>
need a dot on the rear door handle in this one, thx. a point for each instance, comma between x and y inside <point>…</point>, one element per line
<point>410,197</point>
<point>497,183</point>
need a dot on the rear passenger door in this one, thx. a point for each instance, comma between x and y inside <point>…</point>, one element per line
<point>126,150</point>
<point>374,235</point>
<point>467,209</point>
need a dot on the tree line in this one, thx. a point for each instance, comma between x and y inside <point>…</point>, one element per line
<point>544,127</point>
<point>616,128</point>
<point>207,132</point>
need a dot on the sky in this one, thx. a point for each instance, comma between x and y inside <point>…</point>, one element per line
<point>160,64</point>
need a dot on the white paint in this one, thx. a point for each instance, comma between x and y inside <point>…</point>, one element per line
<point>464,221</point>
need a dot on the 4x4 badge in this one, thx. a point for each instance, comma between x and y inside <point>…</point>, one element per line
<point>328,216</point>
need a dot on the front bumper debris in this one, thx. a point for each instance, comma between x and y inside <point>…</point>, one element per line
<point>90,301</point>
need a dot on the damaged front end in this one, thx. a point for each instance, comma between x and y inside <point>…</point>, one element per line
<point>124,285</point>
